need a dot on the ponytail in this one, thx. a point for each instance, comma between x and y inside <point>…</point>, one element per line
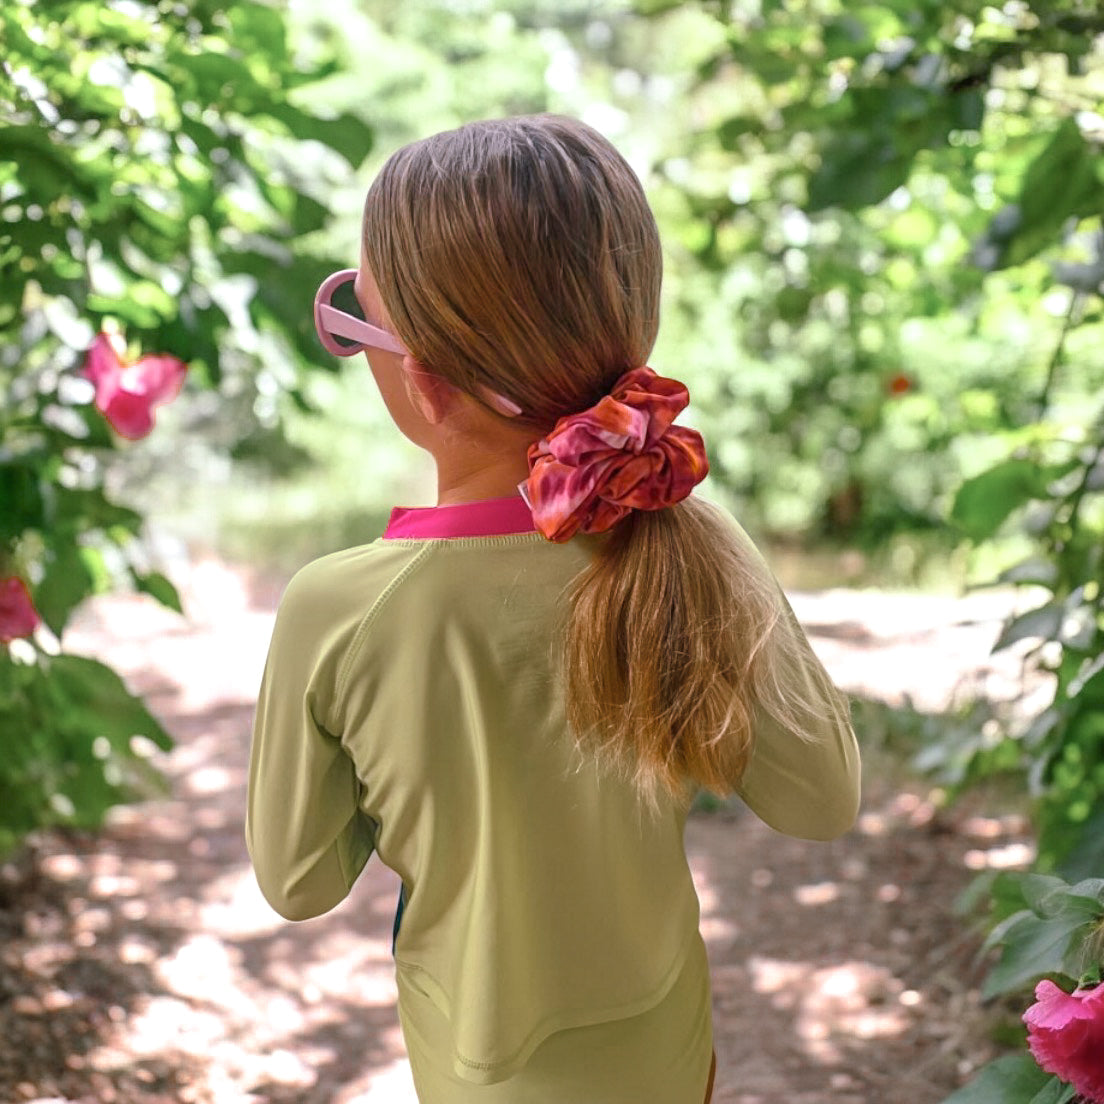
<point>520,256</point>
<point>672,650</point>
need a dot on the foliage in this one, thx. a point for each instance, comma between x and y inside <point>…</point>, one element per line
<point>1052,483</point>
<point>884,263</point>
<point>1061,751</point>
<point>869,190</point>
<point>890,166</point>
<point>1044,927</point>
<point>160,179</point>
<point>82,744</point>
<point>860,173</point>
<point>415,69</point>
<point>848,367</point>
<point>1013,1080</point>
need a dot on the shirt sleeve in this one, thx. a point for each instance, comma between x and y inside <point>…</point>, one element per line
<point>805,784</point>
<point>305,829</point>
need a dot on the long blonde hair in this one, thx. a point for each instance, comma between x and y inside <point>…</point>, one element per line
<point>521,255</point>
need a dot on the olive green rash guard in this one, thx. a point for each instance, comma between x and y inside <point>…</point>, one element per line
<point>411,705</point>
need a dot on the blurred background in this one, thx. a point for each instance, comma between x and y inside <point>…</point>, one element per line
<point>883,226</point>
<point>867,291</point>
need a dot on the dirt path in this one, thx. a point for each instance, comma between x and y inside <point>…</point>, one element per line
<point>142,966</point>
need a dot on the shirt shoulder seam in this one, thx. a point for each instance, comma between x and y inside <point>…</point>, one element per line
<point>357,642</point>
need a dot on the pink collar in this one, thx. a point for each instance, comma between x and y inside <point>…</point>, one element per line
<point>491,517</point>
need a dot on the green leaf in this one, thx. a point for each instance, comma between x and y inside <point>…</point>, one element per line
<point>65,584</point>
<point>1086,855</point>
<point>1090,669</point>
<point>846,36</point>
<point>347,134</point>
<point>157,586</point>
<point>220,78</point>
<point>1033,947</point>
<point>91,509</point>
<point>1033,889</point>
<point>1033,571</point>
<point>1013,1080</point>
<point>984,502</point>
<point>1061,182</point>
<point>997,934</point>
<point>47,168</point>
<point>1043,622</point>
<point>1054,1092</point>
<point>656,7</point>
<point>98,21</point>
<point>734,128</point>
<point>1088,893</point>
<point>968,109</point>
<point>259,27</point>
<point>308,214</point>
<point>22,496</point>
<point>98,702</point>
<point>857,169</point>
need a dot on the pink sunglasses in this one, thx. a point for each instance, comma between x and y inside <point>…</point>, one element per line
<point>344,331</point>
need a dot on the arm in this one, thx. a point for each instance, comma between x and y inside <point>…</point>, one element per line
<point>804,775</point>
<point>807,783</point>
<point>305,830</point>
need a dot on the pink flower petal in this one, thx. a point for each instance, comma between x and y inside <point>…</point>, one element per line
<point>127,393</point>
<point>18,617</point>
<point>130,415</point>
<point>161,377</point>
<point>1066,1036</point>
<point>1054,1009</point>
<point>104,357</point>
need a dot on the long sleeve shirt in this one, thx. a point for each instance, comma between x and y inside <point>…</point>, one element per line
<point>411,705</point>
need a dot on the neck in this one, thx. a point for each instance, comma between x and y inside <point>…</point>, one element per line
<point>478,454</point>
<point>480,477</point>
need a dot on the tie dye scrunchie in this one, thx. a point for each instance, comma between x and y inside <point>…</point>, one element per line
<point>622,454</point>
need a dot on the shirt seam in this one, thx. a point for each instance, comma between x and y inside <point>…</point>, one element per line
<point>502,539</point>
<point>366,622</point>
<point>559,1021</point>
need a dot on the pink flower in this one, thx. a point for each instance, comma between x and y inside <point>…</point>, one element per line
<point>18,617</point>
<point>1065,1032</point>
<point>127,393</point>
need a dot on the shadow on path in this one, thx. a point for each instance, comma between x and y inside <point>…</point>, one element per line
<point>142,965</point>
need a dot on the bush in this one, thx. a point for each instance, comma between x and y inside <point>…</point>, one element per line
<point>159,183</point>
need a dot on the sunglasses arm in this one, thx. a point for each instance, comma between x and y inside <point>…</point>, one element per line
<point>341,324</point>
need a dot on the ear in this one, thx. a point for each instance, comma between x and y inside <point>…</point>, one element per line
<point>433,397</point>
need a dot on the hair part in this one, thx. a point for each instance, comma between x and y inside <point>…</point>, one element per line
<point>521,255</point>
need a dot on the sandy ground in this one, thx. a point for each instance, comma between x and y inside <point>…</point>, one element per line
<point>141,966</point>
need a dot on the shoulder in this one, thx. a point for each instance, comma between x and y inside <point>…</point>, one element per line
<point>328,603</point>
<point>346,585</point>
<point>724,520</point>
<point>323,617</point>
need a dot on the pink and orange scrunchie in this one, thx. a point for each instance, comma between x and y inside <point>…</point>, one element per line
<point>622,454</point>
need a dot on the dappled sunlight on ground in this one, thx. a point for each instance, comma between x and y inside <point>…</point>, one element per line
<point>840,970</point>
<point>233,905</point>
<point>222,1000</point>
<point>150,969</point>
<point>852,1000</point>
<point>928,649</point>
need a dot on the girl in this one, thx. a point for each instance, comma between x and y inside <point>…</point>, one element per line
<point>512,696</point>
